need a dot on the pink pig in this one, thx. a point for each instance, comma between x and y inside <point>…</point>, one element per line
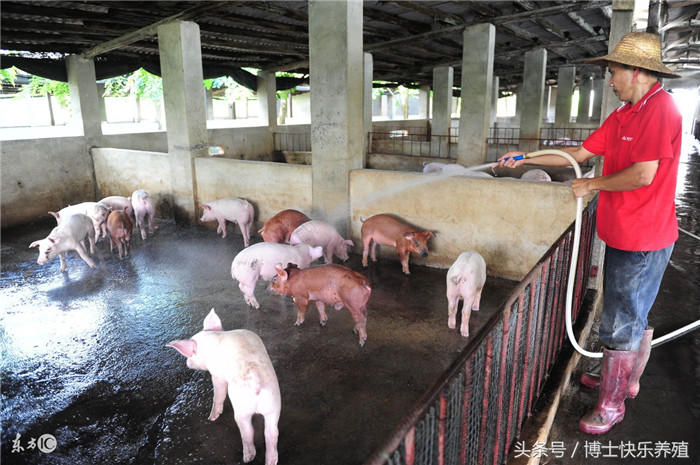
<point>97,211</point>
<point>143,205</point>
<point>70,234</point>
<point>232,209</point>
<point>240,367</point>
<point>120,229</point>
<point>117,202</point>
<point>465,280</point>
<point>336,285</point>
<point>386,230</point>
<point>280,227</point>
<point>258,262</point>
<point>320,233</point>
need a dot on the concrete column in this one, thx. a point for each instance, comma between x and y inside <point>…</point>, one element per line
<point>552,107</point>
<point>424,102</point>
<point>181,68</point>
<point>620,24</point>
<point>598,89</point>
<point>82,85</point>
<point>267,99</point>
<point>477,87</point>
<point>337,105</point>
<point>532,93</point>
<point>443,78</point>
<point>565,94</point>
<point>101,101</point>
<point>584,97</point>
<point>209,102</point>
<point>494,101</point>
<point>367,117</point>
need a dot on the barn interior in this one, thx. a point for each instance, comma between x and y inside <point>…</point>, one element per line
<point>103,360</point>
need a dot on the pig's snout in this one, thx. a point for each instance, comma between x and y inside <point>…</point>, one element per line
<point>423,253</point>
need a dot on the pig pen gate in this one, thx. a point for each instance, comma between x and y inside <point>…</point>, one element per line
<point>475,412</point>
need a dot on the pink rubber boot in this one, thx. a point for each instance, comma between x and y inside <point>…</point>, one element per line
<point>616,372</point>
<point>592,380</point>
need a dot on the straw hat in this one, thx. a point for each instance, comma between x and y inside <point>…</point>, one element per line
<point>638,49</point>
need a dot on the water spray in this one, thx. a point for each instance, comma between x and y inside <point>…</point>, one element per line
<point>574,261</point>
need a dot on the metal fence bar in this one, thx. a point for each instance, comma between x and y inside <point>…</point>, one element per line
<point>465,417</point>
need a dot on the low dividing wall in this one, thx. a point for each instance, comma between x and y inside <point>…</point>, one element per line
<point>42,175</point>
<point>270,187</point>
<point>511,223</point>
<point>121,172</point>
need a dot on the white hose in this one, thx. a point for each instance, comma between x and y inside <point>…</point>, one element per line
<point>574,253</point>
<point>574,261</point>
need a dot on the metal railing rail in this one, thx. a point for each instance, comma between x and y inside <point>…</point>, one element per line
<point>474,413</point>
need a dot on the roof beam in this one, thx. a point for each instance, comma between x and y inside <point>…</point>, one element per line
<point>152,29</point>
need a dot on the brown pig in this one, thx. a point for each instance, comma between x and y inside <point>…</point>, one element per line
<point>120,228</point>
<point>280,227</point>
<point>384,229</point>
<point>336,285</point>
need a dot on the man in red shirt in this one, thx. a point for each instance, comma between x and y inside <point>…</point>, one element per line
<point>636,215</point>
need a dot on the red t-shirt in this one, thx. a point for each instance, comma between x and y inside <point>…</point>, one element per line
<point>643,219</point>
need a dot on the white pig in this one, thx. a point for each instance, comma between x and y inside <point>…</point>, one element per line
<point>97,211</point>
<point>240,367</point>
<point>232,209</point>
<point>117,202</point>
<point>465,280</point>
<point>433,167</point>
<point>258,262</point>
<point>536,175</point>
<point>143,205</point>
<point>70,234</point>
<point>319,233</point>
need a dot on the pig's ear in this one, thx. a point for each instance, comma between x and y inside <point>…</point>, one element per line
<point>206,207</point>
<point>429,235</point>
<point>212,322</point>
<point>349,242</point>
<point>55,215</point>
<point>280,271</point>
<point>34,244</point>
<point>409,235</point>
<point>54,240</point>
<point>187,347</point>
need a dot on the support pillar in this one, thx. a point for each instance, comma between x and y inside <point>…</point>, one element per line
<point>443,79</point>
<point>477,87</point>
<point>532,95</point>
<point>82,85</point>
<point>424,102</point>
<point>494,102</point>
<point>336,63</point>
<point>565,94</point>
<point>598,89</point>
<point>267,99</point>
<point>584,97</point>
<point>367,115</point>
<point>185,115</point>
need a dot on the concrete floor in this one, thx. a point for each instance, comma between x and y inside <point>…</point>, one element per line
<point>84,356</point>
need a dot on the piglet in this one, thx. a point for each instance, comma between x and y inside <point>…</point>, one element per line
<point>240,367</point>
<point>143,205</point>
<point>232,209</point>
<point>97,211</point>
<point>117,202</point>
<point>384,229</point>
<point>336,285</point>
<point>465,280</point>
<point>258,262</point>
<point>70,234</point>
<point>319,233</point>
<point>120,229</point>
<point>536,175</point>
<point>279,228</point>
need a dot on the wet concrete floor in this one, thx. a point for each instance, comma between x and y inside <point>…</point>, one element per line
<point>662,424</point>
<point>84,357</point>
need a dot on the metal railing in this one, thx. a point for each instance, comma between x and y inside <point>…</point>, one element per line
<point>412,145</point>
<point>292,141</point>
<point>475,412</point>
